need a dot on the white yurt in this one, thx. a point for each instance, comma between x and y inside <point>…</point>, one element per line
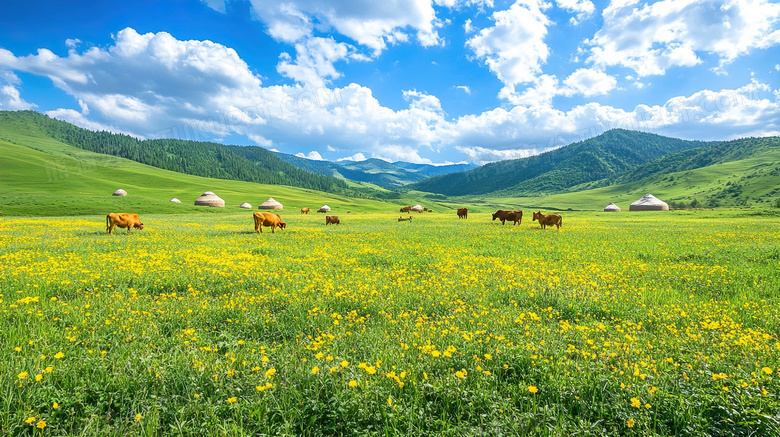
<point>209,199</point>
<point>245,205</point>
<point>175,200</point>
<point>417,208</point>
<point>270,204</point>
<point>612,208</point>
<point>324,208</point>
<point>120,192</point>
<point>648,202</point>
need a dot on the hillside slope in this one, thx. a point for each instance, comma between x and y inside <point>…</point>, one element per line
<point>196,158</point>
<point>608,155</point>
<point>44,177</point>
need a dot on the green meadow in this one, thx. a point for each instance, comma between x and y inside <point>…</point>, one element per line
<point>618,324</point>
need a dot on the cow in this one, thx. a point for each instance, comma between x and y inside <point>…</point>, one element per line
<point>332,219</point>
<point>304,210</point>
<point>548,219</point>
<point>401,219</point>
<point>123,220</point>
<point>323,210</point>
<point>463,213</point>
<point>269,219</point>
<point>515,216</point>
<point>406,209</point>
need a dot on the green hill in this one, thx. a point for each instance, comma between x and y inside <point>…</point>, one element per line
<point>608,155</point>
<point>205,159</point>
<point>41,176</point>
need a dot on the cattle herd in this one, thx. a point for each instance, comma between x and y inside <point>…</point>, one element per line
<point>273,220</point>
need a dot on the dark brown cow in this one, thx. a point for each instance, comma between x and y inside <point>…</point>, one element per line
<point>123,220</point>
<point>548,219</point>
<point>332,219</point>
<point>268,219</point>
<point>406,209</point>
<point>463,213</point>
<point>304,210</point>
<point>401,219</point>
<point>514,215</point>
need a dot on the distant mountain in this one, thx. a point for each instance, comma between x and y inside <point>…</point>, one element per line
<point>376,171</point>
<point>608,155</point>
<point>252,164</point>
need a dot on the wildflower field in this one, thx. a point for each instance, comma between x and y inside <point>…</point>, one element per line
<point>626,324</point>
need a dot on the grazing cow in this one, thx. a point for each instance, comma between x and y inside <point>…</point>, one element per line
<point>269,219</point>
<point>332,219</point>
<point>304,210</point>
<point>406,209</point>
<point>323,210</point>
<point>548,219</point>
<point>123,220</point>
<point>463,213</point>
<point>515,216</point>
<point>401,219</point>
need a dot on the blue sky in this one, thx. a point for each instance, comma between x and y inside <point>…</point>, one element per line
<point>431,81</point>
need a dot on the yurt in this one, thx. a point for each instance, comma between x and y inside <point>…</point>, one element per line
<point>120,192</point>
<point>175,200</point>
<point>324,208</point>
<point>611,208</point>
<point>270,204</point>
<point>245,206</point>
<point>417,208</point>
<point>648,202</point>
<point>209,199</point>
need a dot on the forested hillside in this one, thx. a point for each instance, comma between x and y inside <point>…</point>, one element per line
<point>190,157</point>
<point>608,155</point>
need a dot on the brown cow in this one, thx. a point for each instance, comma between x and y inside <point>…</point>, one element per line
<point>304,210</point>
<point>463,213</point>
<point>406,209</point>
<point>548,219</point>
<point>123,220</point>
<point>268,219</point>
<point>332,219</point>
<point>514,215</point>
<point>401,219</point>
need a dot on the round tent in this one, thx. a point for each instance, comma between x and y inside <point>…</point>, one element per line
<point>417,208</point>
<point>120,192</point>
<point>245,205</point>
<point>324,208</point>
<point>175,200</point>
<point>209,199</point>
<point>270,204</point>
<point>648,202</point>
<point>611,208</point>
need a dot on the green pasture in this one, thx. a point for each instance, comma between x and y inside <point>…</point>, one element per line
<point>637,324</point>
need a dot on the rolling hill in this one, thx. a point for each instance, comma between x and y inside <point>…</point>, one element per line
<point>205,159</point>
<point>375,171</point>
<point>607,155</point>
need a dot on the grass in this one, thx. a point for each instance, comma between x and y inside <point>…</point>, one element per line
<point>619,324</point>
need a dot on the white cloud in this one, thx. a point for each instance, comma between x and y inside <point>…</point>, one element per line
<point>313,155</point>
<point>514,48</point>
<point>153,85</point>
<point>314,61</point>
<point>583,9</point>
<point>589,82</point>
<point>482,155</point>
<point>217,5</point>
<point>466,89</point>
<point>357,157</point>
<point>650,38</point>
<point>10,97</point>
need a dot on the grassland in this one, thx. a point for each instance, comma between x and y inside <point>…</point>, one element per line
<point>619,324</point>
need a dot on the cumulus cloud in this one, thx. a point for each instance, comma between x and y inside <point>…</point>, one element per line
<point>465,88</point>
<point>514,48</point>
<point>153,85</point>
<point>651,38</point>
<point>583,9</point>
<point>357,157</point>
<point>313,155</point>
<point>10,97</point>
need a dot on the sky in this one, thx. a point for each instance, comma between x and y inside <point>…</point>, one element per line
<point>425,81</point>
